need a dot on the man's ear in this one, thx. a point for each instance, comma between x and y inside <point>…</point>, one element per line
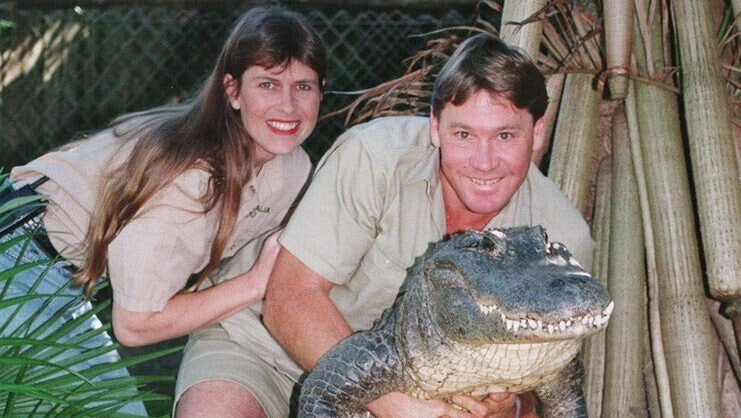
<point>539,135</point>
<point>231,89</point>
<point>434,130</point>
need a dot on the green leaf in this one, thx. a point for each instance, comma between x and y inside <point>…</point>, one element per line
<point>30,390</point>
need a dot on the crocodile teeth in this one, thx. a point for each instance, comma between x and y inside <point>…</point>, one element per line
<point>487,309</point>
<point>608,310</point>
<point>515,324</point>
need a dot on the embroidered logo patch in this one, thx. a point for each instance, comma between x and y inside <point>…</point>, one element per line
<point>257,209</point>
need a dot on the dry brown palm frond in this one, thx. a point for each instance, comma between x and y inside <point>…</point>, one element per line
<point>408,94</point>
<point>485,8</point>
<point>571,40</point>
<point>729,48</point>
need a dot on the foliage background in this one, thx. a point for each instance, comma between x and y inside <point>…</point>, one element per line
<point>72,68</point>
<point>68,67</point>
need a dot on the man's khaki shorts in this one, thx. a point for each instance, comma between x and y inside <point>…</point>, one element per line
<point>212,355</point>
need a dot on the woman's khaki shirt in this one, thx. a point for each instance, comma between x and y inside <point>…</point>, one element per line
<point>153,256</point>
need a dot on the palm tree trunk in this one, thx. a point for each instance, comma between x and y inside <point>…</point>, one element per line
<point>618,16</point>
<point>594,347</point>
<point>685,324</point>
<point>712,150</point>
<point>527,37</point>
<point>624,391</point>
<point>571,165</point>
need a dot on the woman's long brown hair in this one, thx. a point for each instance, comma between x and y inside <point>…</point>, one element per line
<point>204,133</point>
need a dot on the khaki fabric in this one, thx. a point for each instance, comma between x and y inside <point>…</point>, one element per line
<point>153,256</point>
<point>376,202</point>
<point>373,206</point>
<point>212,355</point>
<point>240,349</point>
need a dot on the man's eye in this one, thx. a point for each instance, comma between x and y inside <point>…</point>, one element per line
<point>463,134</point>
<point>267,85</point>
<point>304,86</point>
<point>505,136</point>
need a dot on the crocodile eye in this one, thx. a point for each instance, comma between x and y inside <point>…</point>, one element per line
<point>445,273</point>
<point>487,243</point>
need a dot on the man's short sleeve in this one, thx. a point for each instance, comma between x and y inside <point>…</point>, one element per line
<point>335,222</point>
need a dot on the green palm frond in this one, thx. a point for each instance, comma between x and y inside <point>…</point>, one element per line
<point>36,378</point>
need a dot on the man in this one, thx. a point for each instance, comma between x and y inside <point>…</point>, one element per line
<point>381,194</point>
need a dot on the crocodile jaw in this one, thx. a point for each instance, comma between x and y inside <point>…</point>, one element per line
<point>572,327</point>
<point>450,368</point>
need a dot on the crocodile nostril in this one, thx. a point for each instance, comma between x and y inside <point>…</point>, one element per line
<point>557,283</point>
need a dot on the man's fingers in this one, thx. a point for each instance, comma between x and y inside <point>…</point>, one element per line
<point>471,405</point>
<point>501,397</point>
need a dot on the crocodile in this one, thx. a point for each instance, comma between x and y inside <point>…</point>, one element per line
<point>502,310</point>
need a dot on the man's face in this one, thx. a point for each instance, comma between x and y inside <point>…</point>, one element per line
<point>485,148</point>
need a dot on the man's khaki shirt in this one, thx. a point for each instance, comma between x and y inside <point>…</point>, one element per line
<point>375,203</point>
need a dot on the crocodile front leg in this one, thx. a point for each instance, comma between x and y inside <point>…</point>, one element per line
<point>359,369</point>
<point>563,397</point>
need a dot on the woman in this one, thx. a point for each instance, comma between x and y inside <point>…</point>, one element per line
<point>166,194</point>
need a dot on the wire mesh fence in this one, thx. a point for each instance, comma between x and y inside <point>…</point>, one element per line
<point>70,70</point>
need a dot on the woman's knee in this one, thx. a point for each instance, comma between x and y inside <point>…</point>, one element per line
<point>218,398</point>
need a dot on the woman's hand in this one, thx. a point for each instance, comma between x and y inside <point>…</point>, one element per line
<point>260,271</point>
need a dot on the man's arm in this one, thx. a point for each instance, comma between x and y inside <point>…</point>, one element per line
<point>298,312</point>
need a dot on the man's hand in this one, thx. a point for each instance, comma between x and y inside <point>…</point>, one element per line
<point>500,405</point>
<point>397,404</point>
<point>495,405</point>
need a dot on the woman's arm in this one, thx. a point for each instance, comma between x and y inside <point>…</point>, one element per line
<point>188,312</point>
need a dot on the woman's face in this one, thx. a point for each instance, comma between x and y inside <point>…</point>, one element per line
<point>279,106</point>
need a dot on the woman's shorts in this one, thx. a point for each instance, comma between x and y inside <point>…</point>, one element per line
<point>212,355</point>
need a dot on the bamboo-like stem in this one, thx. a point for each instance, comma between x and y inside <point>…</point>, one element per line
<point>661,373</point>
<point>686,328</point>
<point>576,132</point>
<point>527,37</point>
<point>554,86</point>
<point>712,150</point>
<point>594,347</point>
<point>624,390</point>
<point>618,31</point>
